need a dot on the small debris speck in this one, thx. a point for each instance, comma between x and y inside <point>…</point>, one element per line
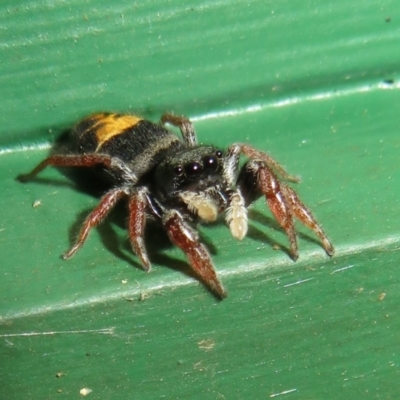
<point>206,344</point>
<point>382,296</point>
<point>37,203</point>
<point>85,391</point>
<point>143,296</point>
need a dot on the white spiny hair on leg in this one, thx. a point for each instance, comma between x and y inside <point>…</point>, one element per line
<point>236,216</point>
<point>231,164</point>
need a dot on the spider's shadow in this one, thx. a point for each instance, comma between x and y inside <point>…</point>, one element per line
<point>156,238</point>
<point>111,240</point>
<point>261,236</point>
<point>156,248</point>
<point>85,180</point>
<point>82,179</point>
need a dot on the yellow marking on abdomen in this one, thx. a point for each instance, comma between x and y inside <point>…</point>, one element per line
<point>108,126</point>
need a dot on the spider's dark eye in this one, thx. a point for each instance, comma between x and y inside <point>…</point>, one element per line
<point>192,168</point>
<point>178,170</point>
<point>218,153</point>
<point>210,162</point>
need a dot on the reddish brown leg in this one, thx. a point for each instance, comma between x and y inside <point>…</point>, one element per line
<point>187,240</point>
<point>185,126</point>
<point>137,222</point>
<point>285,205</point>
<point>304,215</point>
<point>276,199</point>
<point>258,176</point>
<point>86,160</point>
<point>255,154</point>
<point>107,203</point>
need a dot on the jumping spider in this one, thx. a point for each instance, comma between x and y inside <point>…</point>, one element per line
<point>180,183</point>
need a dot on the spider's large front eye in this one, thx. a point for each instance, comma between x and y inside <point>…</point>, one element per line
<point>210,163</point>
<point>192,168</point>
<point>178,170</point>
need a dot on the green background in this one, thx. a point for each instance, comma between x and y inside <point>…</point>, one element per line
<point>314,83</point>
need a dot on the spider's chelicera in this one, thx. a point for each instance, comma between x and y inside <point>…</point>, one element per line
<point>180,183</point>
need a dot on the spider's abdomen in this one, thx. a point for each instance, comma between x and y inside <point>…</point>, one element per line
<point>141,144</point>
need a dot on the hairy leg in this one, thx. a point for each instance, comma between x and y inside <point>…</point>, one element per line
<point>107,203</point>
<point>185,126</point>
<point>137,221</point>
<point>85,160</point>
<point>183,236</point>
<point>257,177</point>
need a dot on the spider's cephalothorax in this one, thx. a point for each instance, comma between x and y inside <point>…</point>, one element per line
<point>179,183</point>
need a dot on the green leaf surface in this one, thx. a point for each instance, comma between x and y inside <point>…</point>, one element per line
<point>316,85</point>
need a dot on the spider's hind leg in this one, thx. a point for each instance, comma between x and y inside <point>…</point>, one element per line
<point>84,160</point>
<point>184,124</point>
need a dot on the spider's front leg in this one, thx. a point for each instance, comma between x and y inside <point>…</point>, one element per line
<point>186,238</point>
<point>257,177</point>
<point>136,226</point>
